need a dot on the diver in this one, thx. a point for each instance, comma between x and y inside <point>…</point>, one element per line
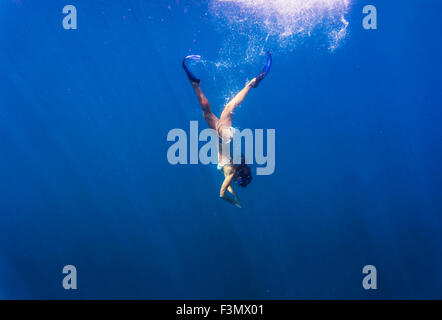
<point>241,173</point>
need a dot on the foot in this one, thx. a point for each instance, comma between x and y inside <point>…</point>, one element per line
<point>255,82</point>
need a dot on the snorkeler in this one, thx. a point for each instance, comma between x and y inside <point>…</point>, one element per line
<point>238,173</point>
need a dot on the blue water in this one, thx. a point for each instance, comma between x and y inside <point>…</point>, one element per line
<point>84,178</point>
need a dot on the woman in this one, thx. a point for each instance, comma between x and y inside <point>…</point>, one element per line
<point>238,173</point>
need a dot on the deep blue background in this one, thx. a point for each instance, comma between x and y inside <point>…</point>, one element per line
<point>84,178</point>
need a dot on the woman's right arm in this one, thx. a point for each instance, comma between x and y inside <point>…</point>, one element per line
<point>223,192</point>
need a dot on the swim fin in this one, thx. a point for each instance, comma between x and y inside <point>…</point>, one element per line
<point>190,75</point>
<point>264,71</point>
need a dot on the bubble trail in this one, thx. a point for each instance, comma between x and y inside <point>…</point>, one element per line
<point>281,22</point>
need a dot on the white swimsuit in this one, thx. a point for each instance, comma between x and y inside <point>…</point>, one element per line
<point>227,133</point>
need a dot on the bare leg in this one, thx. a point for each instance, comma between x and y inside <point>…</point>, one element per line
<point>211,119</point>
<point>226,115</point>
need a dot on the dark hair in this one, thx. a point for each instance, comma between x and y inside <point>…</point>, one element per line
<point>243,173</point>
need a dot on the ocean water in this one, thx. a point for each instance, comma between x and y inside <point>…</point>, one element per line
<point>85,181</point>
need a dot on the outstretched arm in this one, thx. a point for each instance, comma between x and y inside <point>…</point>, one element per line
<point>232,191</point>
<point>227,186</point>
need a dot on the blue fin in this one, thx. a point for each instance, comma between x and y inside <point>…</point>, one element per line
<point>265,70</point>
<point>190,75</point>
